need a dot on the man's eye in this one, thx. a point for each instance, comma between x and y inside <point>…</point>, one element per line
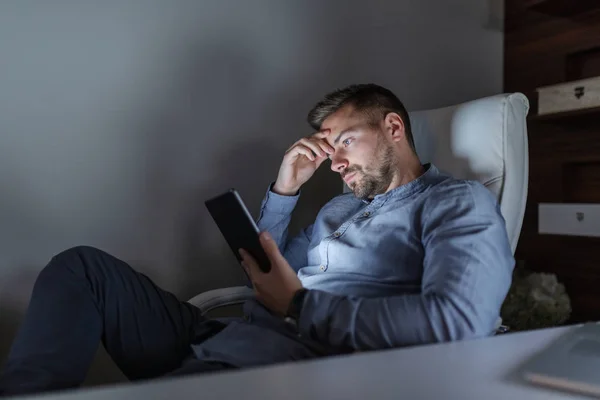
<point>347,142</point>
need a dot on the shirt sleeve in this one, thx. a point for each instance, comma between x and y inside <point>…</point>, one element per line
<point>275,216</point>
<point>467,270</point>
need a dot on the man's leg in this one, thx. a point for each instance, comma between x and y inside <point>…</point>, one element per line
<point>83,296</point>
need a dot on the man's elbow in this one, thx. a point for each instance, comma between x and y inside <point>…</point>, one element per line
<point>469,329</point>
<point>465,323</point>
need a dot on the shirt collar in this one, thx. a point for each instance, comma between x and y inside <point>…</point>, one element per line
<point>414,186</point>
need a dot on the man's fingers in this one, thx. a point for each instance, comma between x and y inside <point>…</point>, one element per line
<point>248,262</point>
<point>270,247</point>
<point>292,146</point>
<point>321,144</point>
<point>326,147</point>
<point>309,148</point>
<point>322,134</point>
<point>312,145</point>
<point>300,149</point>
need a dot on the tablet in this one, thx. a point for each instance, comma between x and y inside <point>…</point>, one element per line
<point>237,226</point>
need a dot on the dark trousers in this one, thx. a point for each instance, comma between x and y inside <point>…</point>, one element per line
<point>84,296</point>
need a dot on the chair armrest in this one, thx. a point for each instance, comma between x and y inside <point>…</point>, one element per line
<point>221,297</point>
<point>500,328</point>
<point>216,298</point>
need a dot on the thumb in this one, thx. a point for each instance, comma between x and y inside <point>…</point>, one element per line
<point>270,247</point>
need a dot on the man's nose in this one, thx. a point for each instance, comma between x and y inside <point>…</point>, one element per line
<point>338,164</point>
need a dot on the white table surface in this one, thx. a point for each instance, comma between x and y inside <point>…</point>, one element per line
<point>477,369</point>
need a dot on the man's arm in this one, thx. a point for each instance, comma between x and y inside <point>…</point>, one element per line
<point>467,272</point>
<point>275,216</point>
<point>299,164</point>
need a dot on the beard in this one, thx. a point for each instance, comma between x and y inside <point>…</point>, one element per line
<point>370,182</point>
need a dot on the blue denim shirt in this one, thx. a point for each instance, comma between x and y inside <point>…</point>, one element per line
<point>426,262</point>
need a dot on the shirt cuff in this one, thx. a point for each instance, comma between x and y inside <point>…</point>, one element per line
<point>276,203</point>
<point>314,315</point>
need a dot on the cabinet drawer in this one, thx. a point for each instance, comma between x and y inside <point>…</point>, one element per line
<point>570,96</point>
<point>575,219</point>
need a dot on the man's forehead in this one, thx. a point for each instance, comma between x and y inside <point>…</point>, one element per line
<point>342,119</point>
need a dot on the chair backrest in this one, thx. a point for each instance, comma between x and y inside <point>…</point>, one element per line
<point>483,140</point>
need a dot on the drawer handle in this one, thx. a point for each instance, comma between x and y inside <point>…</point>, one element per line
<point>579,91</point>
<point>580,216</point>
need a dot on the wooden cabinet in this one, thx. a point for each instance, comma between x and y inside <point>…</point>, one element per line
<point>549,42</point>
<point>561,8</point>
<point>581,95</point>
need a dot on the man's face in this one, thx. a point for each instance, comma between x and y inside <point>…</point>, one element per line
<point>363,157</point>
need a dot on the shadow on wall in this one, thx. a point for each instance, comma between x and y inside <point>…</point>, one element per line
<point>224,123</point>
<point>247,166</point>
<point>9,322</point>
<point>215,116</point>
<point>244,167</point>
<point>9,317</point>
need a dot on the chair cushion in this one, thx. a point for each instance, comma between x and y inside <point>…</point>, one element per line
<point>483,140</point>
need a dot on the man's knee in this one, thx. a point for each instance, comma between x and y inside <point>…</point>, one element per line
<point>75,260</point>
<point>79,252</point>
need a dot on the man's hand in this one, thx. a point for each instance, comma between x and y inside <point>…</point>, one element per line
<point>277,288</point>
<point>301,161</point>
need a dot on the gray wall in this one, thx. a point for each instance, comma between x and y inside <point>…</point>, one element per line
<point>118,118</point>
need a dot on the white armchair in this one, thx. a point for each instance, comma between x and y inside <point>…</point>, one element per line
<point>483,140</point>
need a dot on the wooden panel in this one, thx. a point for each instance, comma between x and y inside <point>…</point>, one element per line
<point>577,265</point>
<point>521,77</point>
<point>518,15</point>
<point>561,8</point>
<point>581,183</point>
<point>583,64</point>
<point>536,41</point>
<point>533,3</point>
<point>542,49</point>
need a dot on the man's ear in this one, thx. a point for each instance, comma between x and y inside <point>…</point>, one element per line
<point>394,126</point>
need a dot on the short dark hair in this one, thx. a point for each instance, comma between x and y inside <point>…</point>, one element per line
<point>374,100</point>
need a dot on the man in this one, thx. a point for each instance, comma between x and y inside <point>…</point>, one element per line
<point>411,256</point>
